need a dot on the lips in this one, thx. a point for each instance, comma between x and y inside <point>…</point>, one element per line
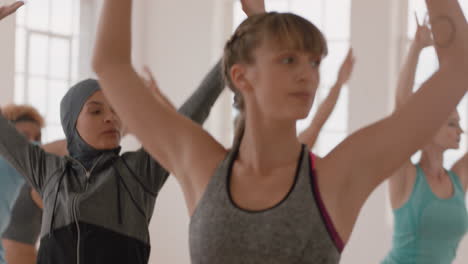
<point>110,131</point>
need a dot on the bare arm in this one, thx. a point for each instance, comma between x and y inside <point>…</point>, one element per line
<point>7,10</point>
<point>422,39</point>
<point>19,253</point>
<point>173,140</point>
<point>152,85</point>
<point>372,154</point>
<point>309,135</point>
<point>58,147</point>
<point>401,182</point>
<point>252,7</point>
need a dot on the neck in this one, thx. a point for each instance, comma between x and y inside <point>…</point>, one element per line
<point>432,160</point>
<point>268,144</point>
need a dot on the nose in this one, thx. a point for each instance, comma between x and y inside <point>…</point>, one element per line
<point>110,117</point>
<point>307,72</point>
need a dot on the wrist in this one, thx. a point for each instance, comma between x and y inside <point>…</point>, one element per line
<point>339,82</point>
<point>253,12</point>
<point>416,46</point>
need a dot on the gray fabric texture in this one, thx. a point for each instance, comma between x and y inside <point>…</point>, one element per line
<point>119,191</point>
<point>25,224</point>
<point>291,232</point>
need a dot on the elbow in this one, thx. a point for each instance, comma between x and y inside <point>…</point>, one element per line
<point>399,102</point>
<point>102,66</point>
<point>98,65</point>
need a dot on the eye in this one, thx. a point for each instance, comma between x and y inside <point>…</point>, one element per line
<point>315,63</point>
<point>288,60</point>
<point>95,111</point>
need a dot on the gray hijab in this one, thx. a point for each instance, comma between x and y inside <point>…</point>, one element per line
<point>70,108</point>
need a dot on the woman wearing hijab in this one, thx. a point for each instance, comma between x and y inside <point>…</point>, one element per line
<point>97,203</point>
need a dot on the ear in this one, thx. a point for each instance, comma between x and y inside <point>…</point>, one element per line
<point>239,78</point>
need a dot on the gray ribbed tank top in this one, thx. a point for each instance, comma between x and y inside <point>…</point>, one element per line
<point>293,231</point>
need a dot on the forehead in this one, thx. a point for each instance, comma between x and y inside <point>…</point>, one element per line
<point>272,48</point>
<point>97,99</point>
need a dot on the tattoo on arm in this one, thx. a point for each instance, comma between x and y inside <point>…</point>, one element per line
<point>446,25</point>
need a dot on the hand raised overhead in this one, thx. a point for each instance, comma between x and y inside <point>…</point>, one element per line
<point>252,7</point>
<point>423,37</point>
<point>346,68</point>
<point>7,10</point>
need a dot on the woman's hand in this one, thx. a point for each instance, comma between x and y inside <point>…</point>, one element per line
<point>253,7</point>
<point>423,37</point>
<point>346,68</point>
<point>7,10</point>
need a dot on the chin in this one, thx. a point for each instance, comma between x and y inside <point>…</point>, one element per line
<point>454,147</point>
<point>110,145</point>
<point>302,116</point>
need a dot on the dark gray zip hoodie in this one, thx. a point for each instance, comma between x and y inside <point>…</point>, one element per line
<point>97,204</point>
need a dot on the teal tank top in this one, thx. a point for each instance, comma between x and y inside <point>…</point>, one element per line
<point>428,229</point>
<point>10,185</point>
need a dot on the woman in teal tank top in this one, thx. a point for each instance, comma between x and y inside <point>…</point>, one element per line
<point>429,205</point>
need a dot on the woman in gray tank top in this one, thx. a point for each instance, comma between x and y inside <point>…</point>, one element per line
<point>254,203</point>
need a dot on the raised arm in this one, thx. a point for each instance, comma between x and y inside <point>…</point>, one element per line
<point>371,155</point>
<point>152,85</point>
<point>172,139</point>
<point>29,160</point>
<point>422,39</point>
<point>310,134</point>
<point>7,10</point>
<point>252,7</point>
<point>401,181</point>
<point>198,106</point>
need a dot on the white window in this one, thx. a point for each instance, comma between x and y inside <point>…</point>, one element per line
<point>428,64</point>
<point>46,58</point>
<point>332,17</point>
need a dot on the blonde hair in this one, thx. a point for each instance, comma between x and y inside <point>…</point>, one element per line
<point>285,29</point>
<point>18,113</point>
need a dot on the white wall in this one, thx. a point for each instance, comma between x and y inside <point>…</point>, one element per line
<point>7,61</point>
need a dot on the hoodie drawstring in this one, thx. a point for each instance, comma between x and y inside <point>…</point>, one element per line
<point>120,180</point>
<point>119,201</point>
<point>52,220</point>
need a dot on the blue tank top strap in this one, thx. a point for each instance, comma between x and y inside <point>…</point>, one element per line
<point>419,177</point>
<point>456,181</point>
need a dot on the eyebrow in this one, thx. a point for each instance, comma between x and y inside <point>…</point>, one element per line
<point>94,102</point>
